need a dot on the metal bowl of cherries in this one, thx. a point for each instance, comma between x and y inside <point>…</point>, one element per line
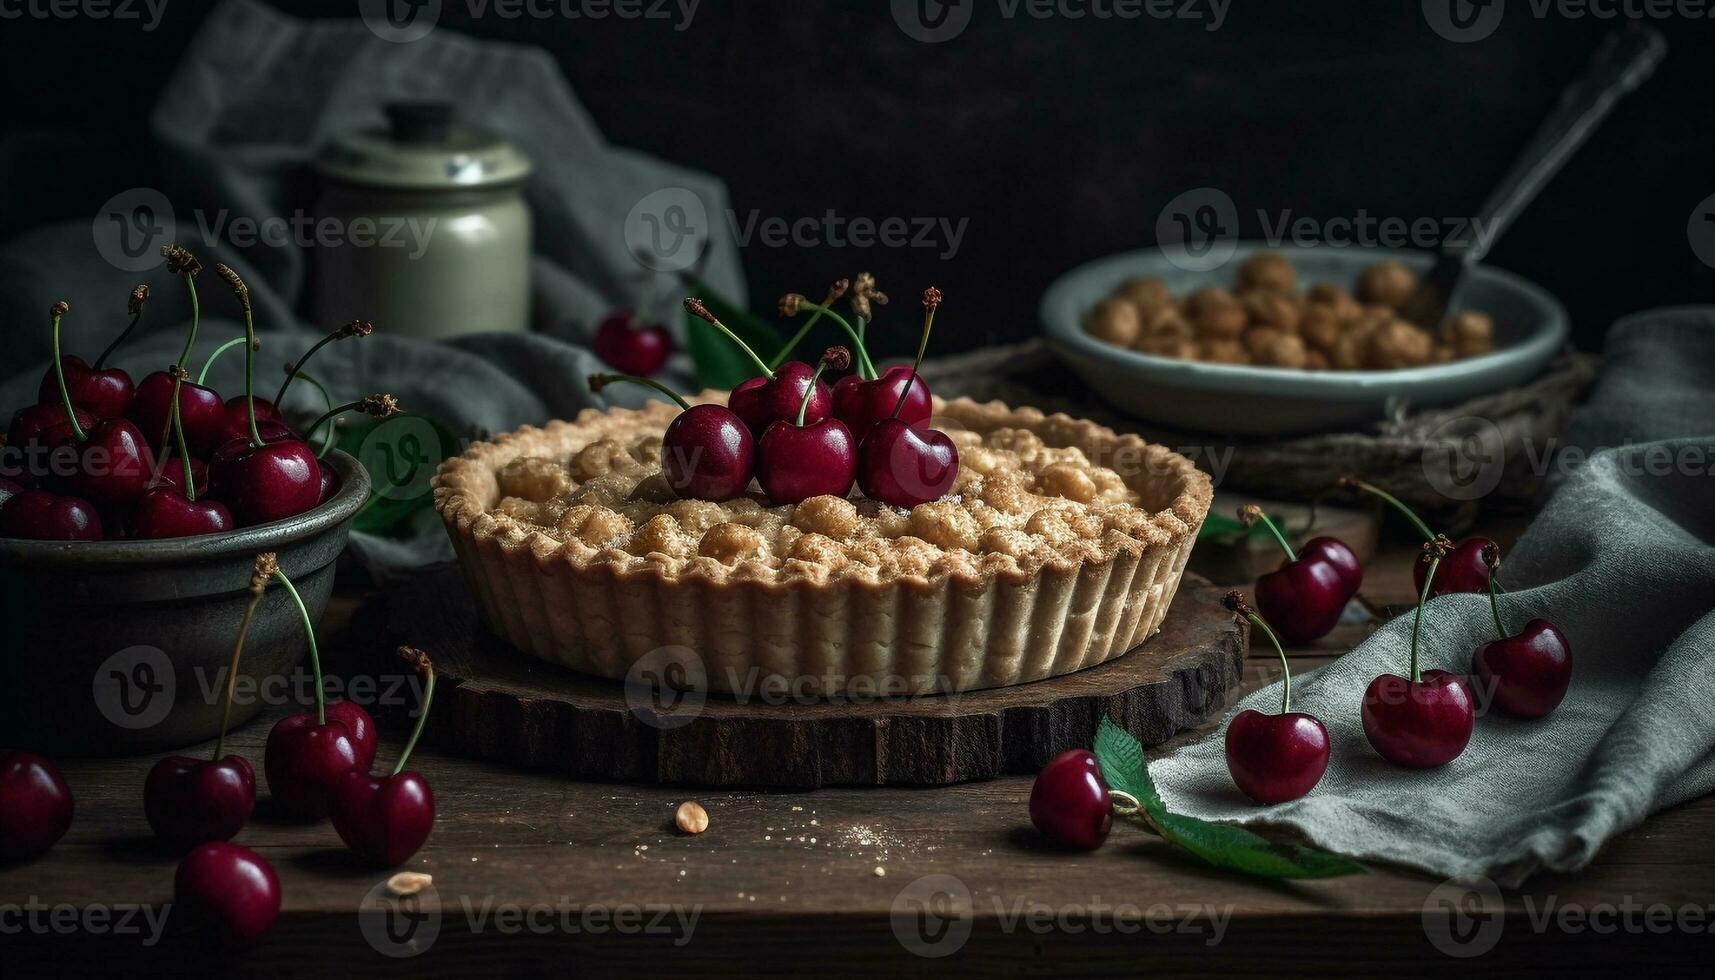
<point>130,516</point>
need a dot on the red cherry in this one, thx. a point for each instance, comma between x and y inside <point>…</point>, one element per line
<point>383,819</point>
<point>302,761</point>
<point>201,412</point>
<point>1275,758</point>
<point>114,464</point>
<point>1421,724</point>
<point>194,801</point>
<point>104,393</point>
<point>905,467</point>
<point>35,806</point>
<point>631,347</point>
<point>1526,675</point>
<point>1463,570</point>
<point>1304,597</point>
<point>762,400</point>
<point>707,454</point>
<point>165,513</point>
<point>236,421</point>
<point>329,481</point>
<point>170,474</point>
<point>860,404</point>
<point>798,460</point>
<point>40,444</point>
<point>1069,801</point>
<point>269,482</point>
<point>230,887</point>
<point>43,516</point>
<point>359,726</point>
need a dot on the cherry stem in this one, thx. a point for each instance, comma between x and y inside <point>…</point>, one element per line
<point>296,366</point>
<point>310,634</point>
<point>810,389</point>
<point>202,376</point>
<point>65,393</point>
<point>866,367</point>
<point>196,320</point>
<point>250,371</point>
<point>102,360</point>
<point>422,718</point>
<point>797,338</point>
<point>333,413</point>
<point>232,669</point>
<point>602,380</point>
<point>1495,604</point>
<point>1398,505</point>
<point>761,365</point>
<point>1285,669</point>
<point>327,403</point>
<point>1263,519</point>
<point>922,345</point>
<point>179,440</point>
<point>1417,620</point>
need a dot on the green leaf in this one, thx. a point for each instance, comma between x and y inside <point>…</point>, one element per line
<point>720,364</point>
<point>1123,766</point>
<point>401,454</point>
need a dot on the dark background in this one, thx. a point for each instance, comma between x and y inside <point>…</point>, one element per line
<point>1059,140</point>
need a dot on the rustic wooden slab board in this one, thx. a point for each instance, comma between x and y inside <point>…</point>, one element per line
<point>497,703</point>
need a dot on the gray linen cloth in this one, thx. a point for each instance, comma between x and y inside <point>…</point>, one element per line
<point>237,126</point>
<point>1622,558</point>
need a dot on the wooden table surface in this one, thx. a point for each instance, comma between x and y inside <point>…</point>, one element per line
<point>534,873</point>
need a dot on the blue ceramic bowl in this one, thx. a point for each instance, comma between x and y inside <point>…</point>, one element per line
<point>1530,329</point>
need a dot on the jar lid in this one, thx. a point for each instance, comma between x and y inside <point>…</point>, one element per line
<point>423,148</point>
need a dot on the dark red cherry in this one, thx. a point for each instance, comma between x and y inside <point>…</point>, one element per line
<point>1069,801</point>
<point>1275,758</point>
<point>114,464</point>
<point>170,473</point>
<point>860,404</point>
<point>707,454</point>
<point>237,421</point>
<point>1463,570</point>
<point>1525,675</point>
<point>759,401</point>
<point>1303,599</point>
<point>266,483</point>
<point>201,412</point>
<point>1419,724</point>
<point>106,393</point>
<point>796,462</point>
<point>165,513</point>
<point>43,516</point>
<point>903,466</point>
<point>303,759</point>
<point>384,819</point>
<point>35,805</point>
<point>329,481</point>
<point>229,887</point>
<point>630,346</point>
<point>193,801</point>
<point>1334,552</point>
<point>359,726</point>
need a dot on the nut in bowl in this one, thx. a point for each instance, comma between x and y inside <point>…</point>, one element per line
<point>1290,340</point>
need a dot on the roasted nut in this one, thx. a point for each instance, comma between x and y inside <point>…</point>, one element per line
<point>1350,347</point>
<point>1398,344</point>
<point>1183,348</point>
<point>691,818</point>
<point>1469,333</point>
<point>409,883</point>
<point>1116,321</point>
<point>1388,283</point>
<point>1145,291</point>
<point>1166,321</point>
<point>1336,297</point>
<point>1224,350</point>
<point>1267,308</point>
<point>1266,270</point>
<point>1319,325</point>
<point>1215,312</point>
<point>1277,349</point>
<point>1315,360</point>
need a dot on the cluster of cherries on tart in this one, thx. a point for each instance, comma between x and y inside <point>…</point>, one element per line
<point>318,764</point>
<point>798,438</point>
<point>99,457</point>
<point>1419,719</point>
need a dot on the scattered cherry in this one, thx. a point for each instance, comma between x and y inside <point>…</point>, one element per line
<point>706,453</point>
<point>1462,570</point>
<point>900,463</point>
<point>796,461</point>
<point>630,346</point>
<point>1070,803</point>
<point>387,819</point>
<point>1525,675</point>
<point>307,752</point>
<point>229,886</point>
<point>1274,758</point>
<point>43,516</point>
<point>1304,597</point>
<point>1423,720</point>
<point>35,805</point>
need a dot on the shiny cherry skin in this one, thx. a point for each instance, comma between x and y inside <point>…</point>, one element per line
<point>328,480</point>
<point>1421,725</point>
<point>1069,801</point>
<point>303,760</point>
<point>903,466</point>
<point>43,516</point>
<point>1525,675</point>
<point>707,453</point>
<point>106,393</point>
<point>269,482</point>
<point>1304,597</point>
<point>359,726</point>
<point>201,412</point>
<point>40,445</point>
<point>115,464</point>
<point>795,463</point>
<point>632,347</point>
<point>759,401</point>
<point>35,806</point>
<point>1276,758</point>
<point>170,473</point>
<point>860,404</point>
<point>165,513</point>
<point>193,801</point>
<point>8,488</point>
<point>230,887</point>
<point>237,420</point>
<point>384,819</point>
<point>1463,570</point>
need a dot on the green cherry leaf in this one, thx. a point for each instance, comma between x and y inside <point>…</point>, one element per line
<point>1121,758</point>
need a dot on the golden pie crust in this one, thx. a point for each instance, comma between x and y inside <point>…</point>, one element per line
<point>1060,546</point>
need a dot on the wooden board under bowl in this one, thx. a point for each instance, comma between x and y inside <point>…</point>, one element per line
<point>497,703</point>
